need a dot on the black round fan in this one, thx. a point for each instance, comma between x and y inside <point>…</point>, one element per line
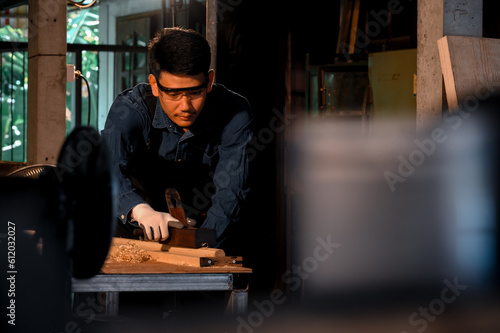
<point>31,171</point>
<point>89,199</point>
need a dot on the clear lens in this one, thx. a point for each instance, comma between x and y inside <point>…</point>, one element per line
<point>192,95</point>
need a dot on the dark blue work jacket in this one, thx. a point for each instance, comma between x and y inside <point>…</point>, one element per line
<point>208,164</point>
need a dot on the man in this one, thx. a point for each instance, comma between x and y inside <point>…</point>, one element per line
<point>180,131</point>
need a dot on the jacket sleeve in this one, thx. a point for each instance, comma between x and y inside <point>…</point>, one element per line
<point>124,133</point>
<point>232,171</point>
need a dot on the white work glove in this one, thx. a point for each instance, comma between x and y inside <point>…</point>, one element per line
<point>155,224</point>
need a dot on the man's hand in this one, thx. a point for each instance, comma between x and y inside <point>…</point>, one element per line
<point>155,224</point>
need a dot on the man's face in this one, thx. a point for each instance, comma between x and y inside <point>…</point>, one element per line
<point>182,106</point>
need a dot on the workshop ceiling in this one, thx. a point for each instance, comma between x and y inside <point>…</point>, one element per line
<point>7,4</point>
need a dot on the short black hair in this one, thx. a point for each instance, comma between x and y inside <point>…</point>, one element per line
<point>179,51</point>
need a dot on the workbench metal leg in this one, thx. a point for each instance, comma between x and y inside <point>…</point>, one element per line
<point>238,302</point>
<point>110,301</point>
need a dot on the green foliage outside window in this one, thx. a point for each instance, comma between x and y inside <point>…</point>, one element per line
<point>14,95</point>
<point>82,28</point>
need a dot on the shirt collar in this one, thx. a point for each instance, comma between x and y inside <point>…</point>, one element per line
<point>161,120</point>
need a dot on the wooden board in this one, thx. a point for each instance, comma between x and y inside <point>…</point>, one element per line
<point>155,267</point>
<point>155,246</point>
<point>193,261</point>
<point>202,257</point>
<point>469,65</point>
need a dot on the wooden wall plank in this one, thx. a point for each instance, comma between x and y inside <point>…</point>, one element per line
<point>469,65</point>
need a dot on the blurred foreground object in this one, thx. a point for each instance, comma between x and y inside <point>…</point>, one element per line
<point>389,219</point>
<point>70,209</point>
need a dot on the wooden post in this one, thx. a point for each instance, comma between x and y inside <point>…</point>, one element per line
<point>435,19</point>
<point>46,79</point>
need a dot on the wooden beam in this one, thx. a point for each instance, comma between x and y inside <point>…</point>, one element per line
<point>354,27</point>
<point>194,261</point>
<point>155,246</point>
<point>202,257</point>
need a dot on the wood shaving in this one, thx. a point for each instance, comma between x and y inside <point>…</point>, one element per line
<point>130,253</point>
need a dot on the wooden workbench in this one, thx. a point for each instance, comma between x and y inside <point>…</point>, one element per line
<point>157,276</point>
<point>155,267</point>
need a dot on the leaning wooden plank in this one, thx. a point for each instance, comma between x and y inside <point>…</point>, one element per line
<point>354,27</point>
<point>448,77</point>
<point>155,246</point>
<point>470,66</point>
